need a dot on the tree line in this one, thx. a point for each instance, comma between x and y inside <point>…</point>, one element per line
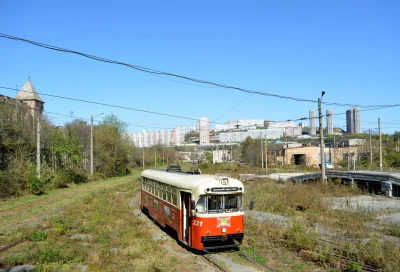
<point>65,152</point>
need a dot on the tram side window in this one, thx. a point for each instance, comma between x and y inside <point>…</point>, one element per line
<point>215,203</point>
<point>174,196</point>
<point>201,205</point>
<point>164,193</point>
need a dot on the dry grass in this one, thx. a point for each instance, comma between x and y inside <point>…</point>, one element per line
<point>18,210</point>
<point>284,199</point>
<point>119,240</point>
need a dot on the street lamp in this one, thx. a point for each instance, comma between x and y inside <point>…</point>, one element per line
<point>321,138</point>
<point>91,141</point>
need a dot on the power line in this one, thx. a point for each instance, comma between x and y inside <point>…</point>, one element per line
<point>374,122</point>
<point>343,113</point>
<point>157,72</point>
<point>233,107</point>
<point>107,105</point>
<point>113,106</point>
<point>128,124</point>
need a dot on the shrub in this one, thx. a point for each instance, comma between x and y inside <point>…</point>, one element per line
<point>76,176</point>
<point>96,176</point>
<point>35,185</point>
<point>353,267</point>
<point>298,238</point>
<point>59,181</point>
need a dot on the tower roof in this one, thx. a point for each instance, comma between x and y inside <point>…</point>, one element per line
<point>28,92</point>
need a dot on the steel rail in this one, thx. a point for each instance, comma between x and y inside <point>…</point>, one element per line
<point>214,263</point>
<point>254,261</point>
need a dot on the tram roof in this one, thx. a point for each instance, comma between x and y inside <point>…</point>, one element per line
<point>183,180</point>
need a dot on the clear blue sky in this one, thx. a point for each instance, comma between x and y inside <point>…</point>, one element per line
<point>350,49</point>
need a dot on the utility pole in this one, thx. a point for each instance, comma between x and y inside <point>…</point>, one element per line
<point>231,154</point>
<point>321,139</point>
<point>155,156</point>
<point>334,151</point>
<point>38,147</point>
<point>380,145</point>
<point>262,151</point>
<point>266,153</point>
<point>91,143</point>
<point>348,161</point>
<point>143,157</point>
<point>370,146</point>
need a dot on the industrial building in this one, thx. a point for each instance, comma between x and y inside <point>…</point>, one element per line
<point>240,136</point>
<point>239,124</point>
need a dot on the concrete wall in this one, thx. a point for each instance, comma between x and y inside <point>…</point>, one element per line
<point>311,152</point>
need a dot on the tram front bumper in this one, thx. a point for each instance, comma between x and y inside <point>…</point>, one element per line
<point>221,241</point>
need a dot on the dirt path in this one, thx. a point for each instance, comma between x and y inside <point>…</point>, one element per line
<point>27,210</point>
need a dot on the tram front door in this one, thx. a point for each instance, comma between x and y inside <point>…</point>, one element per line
<point>185,204</point>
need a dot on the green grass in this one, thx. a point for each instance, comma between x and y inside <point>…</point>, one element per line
<point>300,235</point>
<point>108,219</point>
<point>16,211</point>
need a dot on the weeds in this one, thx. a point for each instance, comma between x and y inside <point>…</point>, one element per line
<point>347,227</point>
<point>121,242</point>
<point>37,235</point>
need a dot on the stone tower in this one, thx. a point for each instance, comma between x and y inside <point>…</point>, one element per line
<point>29,96</point>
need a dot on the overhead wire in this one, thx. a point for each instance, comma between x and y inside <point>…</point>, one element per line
<point>110,105</point>
<point>158,72</point>
<point>106,104</point>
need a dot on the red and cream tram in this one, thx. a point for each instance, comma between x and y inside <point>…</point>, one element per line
<point>206,211</point>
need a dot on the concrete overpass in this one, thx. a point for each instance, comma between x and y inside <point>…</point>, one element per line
<point>387,183</point>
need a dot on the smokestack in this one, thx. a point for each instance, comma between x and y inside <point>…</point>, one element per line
<point>313,130</point>
<point>329,121</point>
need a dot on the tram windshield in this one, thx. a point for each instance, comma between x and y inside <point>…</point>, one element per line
<point>219,203</point>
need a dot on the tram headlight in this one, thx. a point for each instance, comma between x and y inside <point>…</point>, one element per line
<point>208,189</point>
<point>240,188</point>
<point>223,230</point>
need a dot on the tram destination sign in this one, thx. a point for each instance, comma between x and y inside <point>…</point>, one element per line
<point>224,189</point>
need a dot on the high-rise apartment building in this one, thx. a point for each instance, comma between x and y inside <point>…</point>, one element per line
<point>204,128</point>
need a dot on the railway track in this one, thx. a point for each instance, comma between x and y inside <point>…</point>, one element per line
<point>241,254</point>
<point>254,261</point>
<point>3,249</point>
<point>214,263</point>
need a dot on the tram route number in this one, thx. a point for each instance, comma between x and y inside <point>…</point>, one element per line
<point>197,223</point>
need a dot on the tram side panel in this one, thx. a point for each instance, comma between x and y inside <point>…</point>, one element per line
<point>162,212</point>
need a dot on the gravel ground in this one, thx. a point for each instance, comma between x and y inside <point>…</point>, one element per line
<point>364,203</point>
<point>264,217</point>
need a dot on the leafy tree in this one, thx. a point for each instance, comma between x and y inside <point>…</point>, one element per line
<point>113,121</point>
<point>251,151</point>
